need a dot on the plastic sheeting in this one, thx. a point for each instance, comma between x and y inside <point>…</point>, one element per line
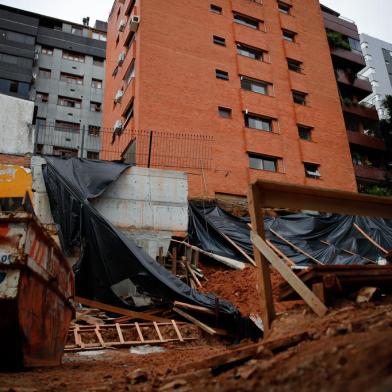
<point>326,237</point>
<point>108,256</point>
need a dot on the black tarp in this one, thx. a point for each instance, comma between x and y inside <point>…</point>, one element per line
<point>307,231</point>
<point>108,256</point>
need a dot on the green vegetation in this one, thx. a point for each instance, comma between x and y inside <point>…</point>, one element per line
<point>336,40</point>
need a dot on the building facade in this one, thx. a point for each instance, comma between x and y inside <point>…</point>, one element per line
<point>368,149</point>
<point>61,67</point>
<point>378,57</point>
<point>257,76</point>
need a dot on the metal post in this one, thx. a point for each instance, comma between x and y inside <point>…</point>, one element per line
<point>149,150</point>
<point>82,142</point>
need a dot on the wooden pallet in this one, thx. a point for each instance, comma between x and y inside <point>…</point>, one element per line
<point>93,337</point>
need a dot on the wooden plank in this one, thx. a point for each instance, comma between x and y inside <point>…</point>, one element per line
<point>158,332</point>
<point>194,277</point>
<point>139,332</point>
<point>175,326</point>
<point>119,333</point>
<point>230,241</point>
<point>279,195</point>
<point>116,310</point>
<point>195,308</point>
<point>318,290</point>
<point>371,240</point>
<point>305,293</point>
<point>161,259</point>
<point>298,249</point>
<point>195,321</point>
<point>99,336</point>
<point>280,253</point>
<point>263,276</point>
<point>174,261</point>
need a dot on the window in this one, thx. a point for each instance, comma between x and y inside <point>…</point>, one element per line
<point>130,74</point>
<point>219,40</point>
<point>9,59</point>
<point>46,50</point>
<point>92,154</point>
<point>257,86</point>
<point>221,74</point>
<point>247,21</point>
<point>67,126</point>
<point>77,31</point>
<point>355,45</point>
<point>95,106</point>
<point>262,162</point>
<point>248,51</point>
<point>98,62</point>
<point>128,114</point>
<point>69,102</point>
<point>71,79</point>
<point>99,36</point>
<point>294,65</point>
<point>44,73</point>
<point>284,8</point>
<point>94,130</point>
<point>258,122</point>
<point>17,37</point>
<point>14,86</point>
<point>300,98</point>
<point>65,152</point>
<point>289,35</point>
<point>216,9</point>
<point>40,122</point>
<point>312,170</point>
<point>224,112</point>
<point>305,133</point>
<point>42,97</point>
<point>96,83</point>
<point>73,56</point>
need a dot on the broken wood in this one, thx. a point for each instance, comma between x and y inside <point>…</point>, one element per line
<point>348,252</point>
<point>194,277</point>
<point>228,239</point>
<point>124,312</point>
<point>280,253</point>
<point>174,261</point>
<point>298,249</point>
<point>195,321</point>
<point>295,282</point>
<point>225,260</point>
<point>200,309</point>
<point>319,291</point>
<point>376,244</point>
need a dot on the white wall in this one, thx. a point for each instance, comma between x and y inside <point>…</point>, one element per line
<point>16,133</point>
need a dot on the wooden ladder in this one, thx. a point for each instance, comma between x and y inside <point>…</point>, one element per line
<point>93,337</point>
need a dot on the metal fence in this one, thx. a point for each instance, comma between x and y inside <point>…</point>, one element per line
<point>147,148</point>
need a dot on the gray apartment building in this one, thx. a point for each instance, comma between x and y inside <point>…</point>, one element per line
<point>378,57</point>
<point>60,66</point>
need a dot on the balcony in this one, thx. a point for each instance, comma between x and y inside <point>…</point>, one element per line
<point>370,173</point>
<point>359,83</point>
<point>361,139</point>
<point>369,112</point>
<point>349,56</point>
<point>341,25</point>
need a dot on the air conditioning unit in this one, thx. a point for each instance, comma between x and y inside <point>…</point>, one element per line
<point>118,126</point>
<point>33,77</point>
<point>122,25</point>
<point>121,58</point>
<point>119,95</point>
<point>134,23</point>
<point>36,57</point>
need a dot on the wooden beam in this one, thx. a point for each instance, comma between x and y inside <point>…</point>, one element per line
<point>298,249</point>
<point>280,253</point>
<point>295,282</point>
<point>348,252</point>
<point>195,321</point>
<point>196,308</point>
<point>263,276</point>
<point>371,240</point>
<point>116,310</point>
<point>278,195</point>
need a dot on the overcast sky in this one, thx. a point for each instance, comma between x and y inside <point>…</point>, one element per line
<point>373,17</point>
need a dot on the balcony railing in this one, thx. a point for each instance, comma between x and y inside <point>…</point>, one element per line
<point>370,173</point>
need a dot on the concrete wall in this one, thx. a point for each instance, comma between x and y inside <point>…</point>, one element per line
<point>378,57</point>
<point>16,132</point>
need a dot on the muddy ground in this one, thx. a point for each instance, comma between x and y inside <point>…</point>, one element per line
<point>350,349</point>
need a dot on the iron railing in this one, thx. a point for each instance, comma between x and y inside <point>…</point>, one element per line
<point>147,148</point>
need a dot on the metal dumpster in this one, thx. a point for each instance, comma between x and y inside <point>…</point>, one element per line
<point>36,288</point>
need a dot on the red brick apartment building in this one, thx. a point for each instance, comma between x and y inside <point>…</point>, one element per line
<point>256,75</point>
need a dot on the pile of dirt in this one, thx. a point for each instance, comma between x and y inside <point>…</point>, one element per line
<point>239,287</point>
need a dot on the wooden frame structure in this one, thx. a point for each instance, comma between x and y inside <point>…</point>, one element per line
<point>269,194</point>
